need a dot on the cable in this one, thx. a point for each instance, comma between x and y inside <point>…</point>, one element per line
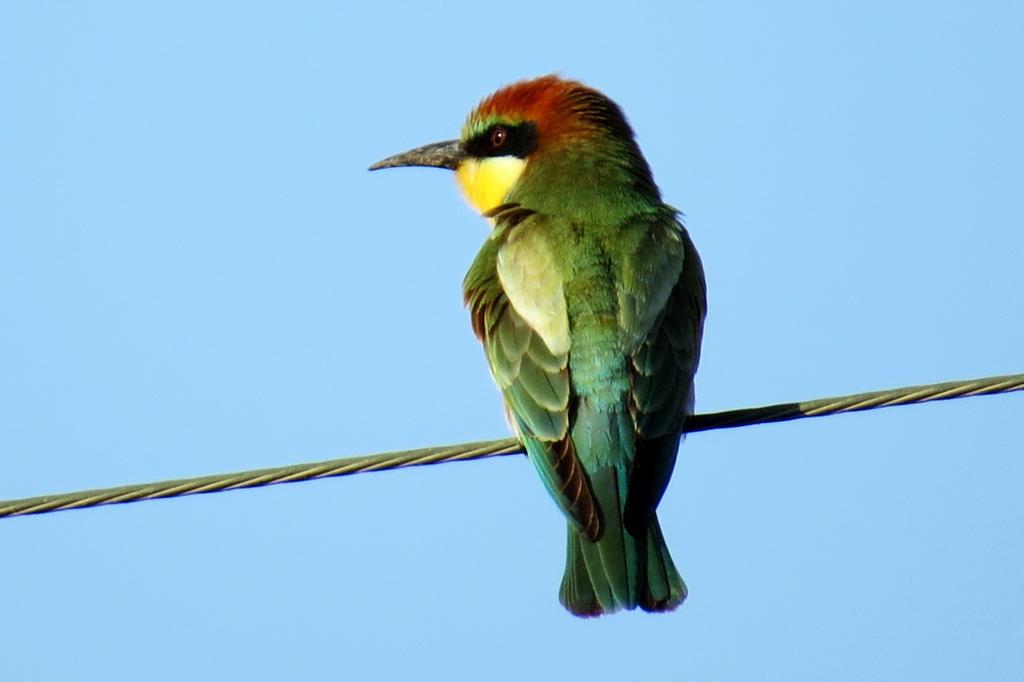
<point>493,448</point>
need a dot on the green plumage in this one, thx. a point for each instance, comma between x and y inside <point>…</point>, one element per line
<point>589,299</point>
<point>602,422</point>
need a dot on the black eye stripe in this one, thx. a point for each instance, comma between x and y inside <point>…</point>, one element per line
<point>519,140</point>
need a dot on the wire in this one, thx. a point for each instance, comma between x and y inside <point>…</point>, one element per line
<point>493,448</point>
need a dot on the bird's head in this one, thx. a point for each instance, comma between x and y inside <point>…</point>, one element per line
<point>536,138</point>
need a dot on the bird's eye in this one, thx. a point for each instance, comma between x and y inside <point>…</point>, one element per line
<point>498,137</point>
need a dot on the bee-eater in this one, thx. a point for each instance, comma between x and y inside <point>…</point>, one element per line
<point>589,299</point>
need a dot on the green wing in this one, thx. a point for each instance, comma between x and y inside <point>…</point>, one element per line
<point>533,380</point>
<point>664,358</point>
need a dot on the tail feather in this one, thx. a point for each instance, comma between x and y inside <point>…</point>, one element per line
<point>619,570</point>
<point>614,559</point>
<point>663,588</point>
<point>627,565</point>
<point>577,593</point>
<point>593,587</point>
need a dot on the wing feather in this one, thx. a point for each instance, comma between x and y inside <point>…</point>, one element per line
<point>533,378</point>
<point>663,364</point>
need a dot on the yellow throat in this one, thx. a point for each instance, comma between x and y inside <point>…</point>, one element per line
<point>486,182</point>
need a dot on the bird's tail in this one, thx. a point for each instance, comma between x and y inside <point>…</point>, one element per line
<point>619,570</point>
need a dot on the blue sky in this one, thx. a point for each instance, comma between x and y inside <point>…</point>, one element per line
<point>198,275</point>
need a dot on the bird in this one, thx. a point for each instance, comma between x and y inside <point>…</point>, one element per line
<point>589,299</point>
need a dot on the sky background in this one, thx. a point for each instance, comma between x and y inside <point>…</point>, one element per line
<point>198,275</point>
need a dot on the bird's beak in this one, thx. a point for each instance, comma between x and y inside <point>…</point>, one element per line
<point>447,154</point>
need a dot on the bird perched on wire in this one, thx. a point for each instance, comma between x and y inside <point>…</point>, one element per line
<point>589,299</point>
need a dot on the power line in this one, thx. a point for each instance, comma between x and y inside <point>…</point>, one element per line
<point>493,448</point>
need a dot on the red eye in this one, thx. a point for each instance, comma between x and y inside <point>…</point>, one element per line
<point>498,137</point>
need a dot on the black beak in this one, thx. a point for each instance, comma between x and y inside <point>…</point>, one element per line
<point>447,154</point>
